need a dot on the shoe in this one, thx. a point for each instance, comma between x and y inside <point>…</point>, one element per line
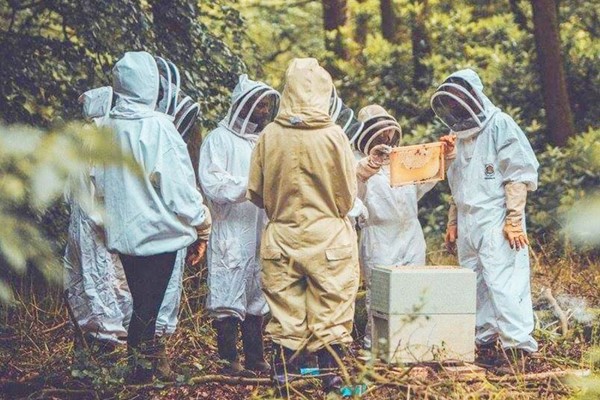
<point>160,363</point>
<point>487,354</point>
<point>227,338</point>
<point>512,361</point>
<point>252,340</point>
<point>327,363</point>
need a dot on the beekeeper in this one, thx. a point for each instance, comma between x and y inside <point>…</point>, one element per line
<point>303,174</point>
<point>235,297</point>
<point>494,169</point>
<point>94,280</point>
<point>151,213</point>
<point>392,233</point>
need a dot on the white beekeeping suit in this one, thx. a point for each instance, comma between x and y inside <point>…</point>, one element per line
<point>392,233</point>
<point>235,292</point>
<point>94,277</point>
<point>494,168</point>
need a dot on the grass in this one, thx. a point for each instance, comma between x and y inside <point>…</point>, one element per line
<point>38,358</point>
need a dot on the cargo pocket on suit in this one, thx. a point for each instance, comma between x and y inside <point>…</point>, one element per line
<point>272,270</point>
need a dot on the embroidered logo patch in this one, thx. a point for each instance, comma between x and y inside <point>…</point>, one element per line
<point>489,171</point>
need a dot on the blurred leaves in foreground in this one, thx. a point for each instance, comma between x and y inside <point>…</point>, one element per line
<point>35,167</point>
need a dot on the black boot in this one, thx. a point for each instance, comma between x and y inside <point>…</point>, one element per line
<point>227,337</point>
<point>160,361</point>
<point>328,364</point>
<point>252,339</point>
<point>140,369</point>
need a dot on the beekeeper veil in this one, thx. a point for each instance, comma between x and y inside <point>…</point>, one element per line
<point>254,104</point>
<point>172,100</point>
<point>343,116</point>
<point>461,105</point>
<point>378,127</point>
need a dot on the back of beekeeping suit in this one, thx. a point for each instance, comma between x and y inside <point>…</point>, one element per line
<point>93,277</point>
<point>304,176</point>
<point>152,213</point>
<point>235,296</point>
<point>494,168</point>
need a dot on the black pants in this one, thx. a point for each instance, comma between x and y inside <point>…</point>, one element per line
<point>147,277</point>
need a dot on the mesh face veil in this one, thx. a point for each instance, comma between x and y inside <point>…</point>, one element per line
<point>172,100</point>
<point>254,110</point>
<point>458,106</point>
<point>343,116</point>
<point>379,129</point>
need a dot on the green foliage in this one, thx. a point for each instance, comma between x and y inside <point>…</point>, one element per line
<point>52,51</point>
<point>35,166</point>
<point>567,175</point>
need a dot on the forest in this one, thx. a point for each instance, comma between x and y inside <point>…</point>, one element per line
<point>538,60</point>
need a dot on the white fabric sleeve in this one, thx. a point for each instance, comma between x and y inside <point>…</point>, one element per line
<point>217,184</point>
<point>174,176</point>
<point>516,160</point>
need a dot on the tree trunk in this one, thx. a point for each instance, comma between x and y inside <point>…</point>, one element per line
<point>362,25</point>
<point>421,48</point>
<point>335,16</point>
<point>389,21</point>
<point>559,117</point>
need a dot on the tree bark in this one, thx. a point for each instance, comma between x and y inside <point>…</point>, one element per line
<point>335,17</point>
<point>559,116</point>
<point>389,20</point>
<point>362,25</point>
<point>421,48</point>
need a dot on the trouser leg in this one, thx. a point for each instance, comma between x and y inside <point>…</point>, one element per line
<point>147,277</point>
<point>330,297</point>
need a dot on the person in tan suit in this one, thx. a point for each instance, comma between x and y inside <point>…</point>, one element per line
<point>303,174</point>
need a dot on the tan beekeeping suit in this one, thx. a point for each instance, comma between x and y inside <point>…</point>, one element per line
<point>303,174</point>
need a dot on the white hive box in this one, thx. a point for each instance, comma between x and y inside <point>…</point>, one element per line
<point>423,313</point>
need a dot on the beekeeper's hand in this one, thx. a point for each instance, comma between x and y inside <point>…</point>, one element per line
<point>516,198</point>
<point>380,155</point>
<point>517,238</point>
<point>450,239</point>
<point>370,165</point>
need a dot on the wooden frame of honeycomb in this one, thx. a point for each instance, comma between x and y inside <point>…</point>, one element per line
<point>420,163</point>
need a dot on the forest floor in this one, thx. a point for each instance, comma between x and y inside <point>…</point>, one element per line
<point>38,357</point>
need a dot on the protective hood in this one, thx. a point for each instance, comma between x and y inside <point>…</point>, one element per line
<point>375,121</point>
<point>245,98</point>
<point>343,116</point>
<point>96,102</point>
<point>172,100</point>
<point>460,103</point>
<point>306,96</point>
<point>136,84</point>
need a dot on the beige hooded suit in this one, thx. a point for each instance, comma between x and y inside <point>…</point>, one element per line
<point>303,174</point>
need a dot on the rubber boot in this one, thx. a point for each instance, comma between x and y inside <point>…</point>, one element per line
<point>227,338</point>
<point>252,339</point>
<point>160,362</point>
<point>328,364</point>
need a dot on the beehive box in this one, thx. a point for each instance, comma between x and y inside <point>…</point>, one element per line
<point>417,164</point>
<point>423,313</point>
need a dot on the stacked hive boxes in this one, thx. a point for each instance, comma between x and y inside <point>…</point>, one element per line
<point>423,313</point>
